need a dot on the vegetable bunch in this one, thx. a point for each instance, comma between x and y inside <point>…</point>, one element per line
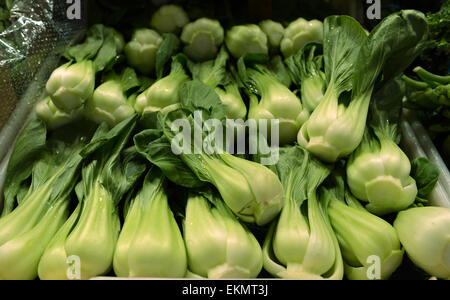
<point>100,183</point>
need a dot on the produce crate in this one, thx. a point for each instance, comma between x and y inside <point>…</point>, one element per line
<point>23,73</point>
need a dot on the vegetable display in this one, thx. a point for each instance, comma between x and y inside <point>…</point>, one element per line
<point>191,147</point>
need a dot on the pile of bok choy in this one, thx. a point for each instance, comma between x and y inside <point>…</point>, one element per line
<point>100,184</point>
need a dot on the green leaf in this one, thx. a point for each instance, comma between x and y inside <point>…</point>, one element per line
<point>104,138</point>
<point>299,172</point>
<point>153,145</point>
<point>196,95</point>
<point>426,175</point>
<point>123,173</point>
<point>28,148</point>
<point>249,60</point>
<point>212,72</point>
<point>168,48</point>
<point>386,108</point>
<point>129,79</point>
<point>99,46</point>
<point>308,62</point>
<point>90,47</point>
<point>343,37</point>
<point>280,70</point>
<point>391,46</point>
<point>107,52</point>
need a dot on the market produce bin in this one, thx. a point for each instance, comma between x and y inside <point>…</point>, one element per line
<point>40,33</point>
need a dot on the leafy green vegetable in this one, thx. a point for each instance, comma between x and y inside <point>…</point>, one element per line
<point>275,33</point>
<point>169,18</point>
<point>53,116</point>
<point>424,232</point>
<point>426,175</point>
<point>437,49</point>
<point>270,99</point>
<point>164,93</point>
<point>150,243</point>
<point>365,239</point>
<point>102,45</point>
<point>430,98</point>
<point>168,48</point>
<point>202,39</point>
<point>141,50</point>
<point>109,174</point>
<point>306,70</point>
<point>71,85</point>
<point>53,263</point>
<point>379,164</point>
<point>299,33</point>
<point>154,146</point>
<point>277,66</point>
<point>28,228</point>
<point>343,37</point>
<point>246,39</point>
<point>354,62</point>
<point>29,147</point>
<point>251,190</point>
<point>110,103</point>
<point>214,73</point>
<point>218,245</point>
<point>301,243</point>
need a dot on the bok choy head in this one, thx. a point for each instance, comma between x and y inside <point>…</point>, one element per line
<point>379,164</point>
<point>218,245</point>
<point>163,94</point>
<point>425,234</point>
<point>150,243</point>
<point>301,243</point>
<point>354,62</point>
<point>370,246</point>
<point>270,99</point>
<point>73,83</point>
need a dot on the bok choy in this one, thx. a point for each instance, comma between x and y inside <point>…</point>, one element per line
<point>354,62</point>
<point>109,174</point>
<point>301,243</point>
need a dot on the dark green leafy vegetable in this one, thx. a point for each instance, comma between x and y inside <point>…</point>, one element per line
<point>251,190</point>
<point>301,243</point>
<point>335,129</point>
<point>29,147</point>
<point>426,175</point>
<point>437,49</point>
<point>364,239</point>
<point>167,49</point>
<point>111,170</point>
<point>27,229</point>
